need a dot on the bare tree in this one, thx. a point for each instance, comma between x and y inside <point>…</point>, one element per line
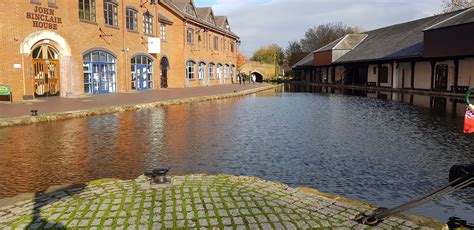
<point>294,53</point>
<point>453,5</point>
<point>319,36</point>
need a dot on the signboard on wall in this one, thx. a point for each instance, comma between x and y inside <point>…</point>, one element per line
<point>154,45</point>
<point>5,90</point>
<point>44,18</point>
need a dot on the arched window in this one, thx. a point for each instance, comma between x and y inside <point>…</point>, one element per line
<point>45,52</point>
<point>190,70</point>
<point>219,71</point>
<point>211,71</point>
<point>226,71</point>
<point>142,72</point>
<point>201,70</point>
<point>100,74</point>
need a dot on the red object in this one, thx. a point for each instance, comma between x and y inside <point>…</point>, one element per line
<point>469,122</point>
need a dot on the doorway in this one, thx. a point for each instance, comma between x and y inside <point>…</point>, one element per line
<point>45,67</point>
<point>142,73</point>
<point>164,65</point>
<point>441,78</point>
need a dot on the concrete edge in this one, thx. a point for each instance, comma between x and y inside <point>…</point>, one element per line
<point>418,219</point>
<point>26,120</point>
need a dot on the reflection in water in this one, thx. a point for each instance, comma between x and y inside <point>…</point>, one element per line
<point>375,150</point>
<point>439,105</point>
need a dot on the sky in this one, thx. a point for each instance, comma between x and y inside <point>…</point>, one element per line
<point>263,22</point>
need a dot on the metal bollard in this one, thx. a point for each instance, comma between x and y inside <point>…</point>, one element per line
<point>158,175</point>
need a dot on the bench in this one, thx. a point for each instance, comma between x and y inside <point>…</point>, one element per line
<point>6,91</point>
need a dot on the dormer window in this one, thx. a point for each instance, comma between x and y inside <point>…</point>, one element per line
<point>210,19</point>
<point>190,9</point>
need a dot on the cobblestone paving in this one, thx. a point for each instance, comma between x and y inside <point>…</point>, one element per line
<point>193,201</point>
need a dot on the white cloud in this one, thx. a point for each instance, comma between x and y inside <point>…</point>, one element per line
<point>260,22</point>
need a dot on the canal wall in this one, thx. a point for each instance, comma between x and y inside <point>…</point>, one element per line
<point>25,120</point>
<point>193,201</point>
<point>384,89</point>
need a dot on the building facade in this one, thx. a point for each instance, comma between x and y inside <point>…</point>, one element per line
<point>80,47</point>
<point>430,54</point>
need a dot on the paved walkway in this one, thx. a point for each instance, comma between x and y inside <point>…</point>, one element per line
<point>60,104</point>
<point>192,201</point>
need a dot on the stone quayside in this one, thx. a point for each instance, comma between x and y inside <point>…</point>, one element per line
<point>191,201</point>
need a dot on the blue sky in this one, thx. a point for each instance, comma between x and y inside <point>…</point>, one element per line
<point>263,22</point>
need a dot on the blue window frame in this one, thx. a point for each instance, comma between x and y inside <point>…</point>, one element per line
<point>201,71</point>
<point>219,71</point>
<point>232,71</point>
<point>211,71</point>
<point>142,73</point>
<point>100,72</point>
<point>226,71</point>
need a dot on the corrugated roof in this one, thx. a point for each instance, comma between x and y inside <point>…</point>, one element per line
<point>394,42</point>
<point>329,46</point>
<point>464,17</point>
<point>346,42</point>
<point>305,62</point>
<point>350,41</point>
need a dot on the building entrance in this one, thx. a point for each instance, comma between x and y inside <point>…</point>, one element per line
<point>441,77</point>
<point>46,80</point>
<point>164,65</point>
<point>142,73</point>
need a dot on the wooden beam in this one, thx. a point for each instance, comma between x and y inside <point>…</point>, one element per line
<point>393,74</point>
<point>327,74</point>
<point>456,74</point>
<point>412,84</point>
<point>433,64</point>
<point>379,67</point>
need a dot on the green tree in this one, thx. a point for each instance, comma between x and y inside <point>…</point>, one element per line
<point>319,36</point>
<point>272,54</point>
<point>453,5</point>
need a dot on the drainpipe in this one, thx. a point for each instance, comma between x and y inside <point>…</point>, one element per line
<point>124,49</point>
<point>23,74</point>
<point>185,37</point>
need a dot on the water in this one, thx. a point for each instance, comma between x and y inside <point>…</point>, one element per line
<point>380,151</point>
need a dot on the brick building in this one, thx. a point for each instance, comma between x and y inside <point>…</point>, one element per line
<point>77,47</point>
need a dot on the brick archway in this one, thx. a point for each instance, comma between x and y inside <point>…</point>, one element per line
<point>64,51</point>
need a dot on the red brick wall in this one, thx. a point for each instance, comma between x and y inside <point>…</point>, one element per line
<point>85,36</point>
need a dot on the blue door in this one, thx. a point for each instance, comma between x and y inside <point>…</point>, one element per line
<point>142,73</point>
<point>100,80</point>
<point>99,73</point>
